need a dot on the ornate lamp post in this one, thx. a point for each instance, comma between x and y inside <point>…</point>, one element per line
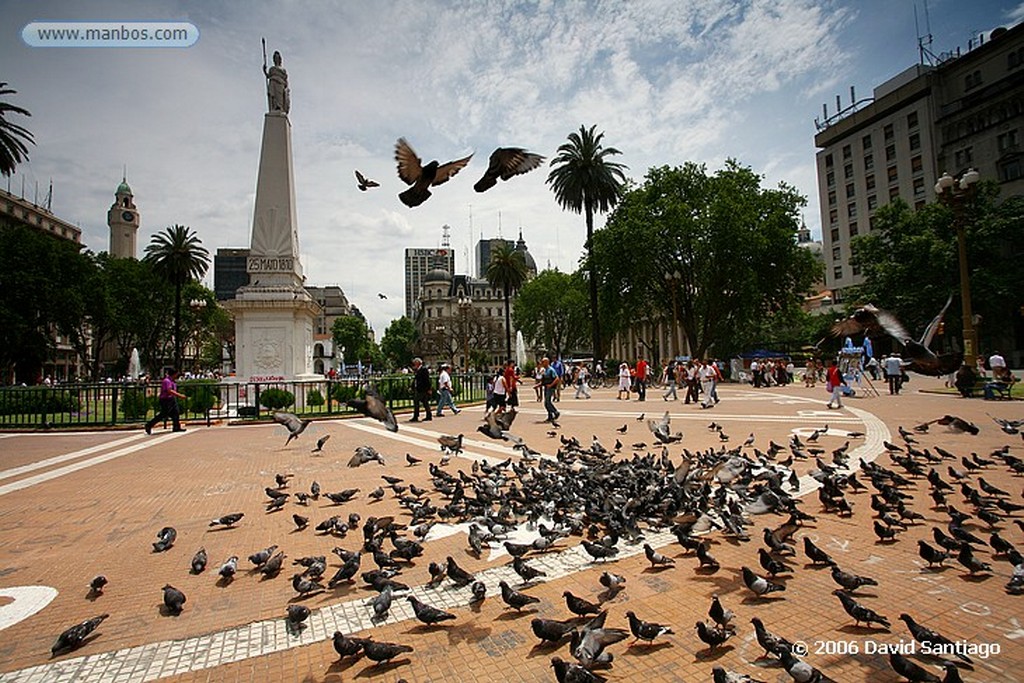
<point>956,195</point>
<point>672,281</point>
<point>197,306</point>
<point>465,304</point>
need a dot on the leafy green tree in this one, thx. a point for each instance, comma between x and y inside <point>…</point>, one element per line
<point>13,137</point>
<point>179,256</point>
<point>585,181</point>
<point>732,241</point>
<point>507,271</point>
<point>910,266</point>
<point>351,333</point>
<point>551,310</point>
<point>398,342</point>
<point>41,296</point>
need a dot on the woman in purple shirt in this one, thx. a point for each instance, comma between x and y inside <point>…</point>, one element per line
<point>168,398</point>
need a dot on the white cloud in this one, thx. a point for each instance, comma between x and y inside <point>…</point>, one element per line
<point>668,81</point>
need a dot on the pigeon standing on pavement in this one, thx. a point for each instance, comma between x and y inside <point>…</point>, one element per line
<point>199,561</point>
<point>74,636</point>
<point>227,520</point>
<point>646,630</point>
<point>165,539</point>
<point>428,614</point>
<point>174,599</point>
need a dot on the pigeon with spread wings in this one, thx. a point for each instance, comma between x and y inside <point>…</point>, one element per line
<point>506,162</point>
<point>872,320</point>
<point>373,406</point>
<point>413,172</point>
<point>292,423</point>
<point>364,182</point>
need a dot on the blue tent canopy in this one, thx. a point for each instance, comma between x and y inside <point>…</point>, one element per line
<point>763,353</point>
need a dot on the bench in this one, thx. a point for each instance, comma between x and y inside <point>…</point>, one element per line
<point>1000,389</point>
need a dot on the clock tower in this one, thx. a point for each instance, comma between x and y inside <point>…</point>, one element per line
<point>123,219</point>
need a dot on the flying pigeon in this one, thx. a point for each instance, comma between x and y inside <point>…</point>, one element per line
<point>412,172</point>
<point>294,425</point>
<point>364,182</point>
<point>373,406</point>
<point>506,162</point>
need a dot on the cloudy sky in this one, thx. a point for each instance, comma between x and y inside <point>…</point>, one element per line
<point>668,81</point>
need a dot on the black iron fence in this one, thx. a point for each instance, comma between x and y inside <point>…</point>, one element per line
<point>96,405</point>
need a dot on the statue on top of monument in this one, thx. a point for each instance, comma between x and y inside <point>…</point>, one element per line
<point>278,96</point>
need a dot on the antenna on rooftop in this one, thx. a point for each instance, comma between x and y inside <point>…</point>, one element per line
<point>924,41</point>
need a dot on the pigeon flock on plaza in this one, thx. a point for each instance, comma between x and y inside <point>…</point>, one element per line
<point>607,503</point>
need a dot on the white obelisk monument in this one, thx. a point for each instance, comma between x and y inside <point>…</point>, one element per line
<point>274,314</point>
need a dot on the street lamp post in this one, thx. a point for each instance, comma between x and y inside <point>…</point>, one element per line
<point>957,195</point>
<point>672,280</point>
<point>465,304</point>
<point>197,306</point>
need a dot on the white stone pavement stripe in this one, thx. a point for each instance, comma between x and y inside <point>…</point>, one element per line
<point>159,660</point>
<point>80,465</point>
<point>31,467</point>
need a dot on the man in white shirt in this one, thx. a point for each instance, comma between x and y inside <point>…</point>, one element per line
<point>707,378</point>
<point>998,365</point>
<point>444,391</point>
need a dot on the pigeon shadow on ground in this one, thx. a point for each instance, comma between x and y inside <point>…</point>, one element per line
<point>225,581</point>
<point>935,569</point>
<point>658,569</point>
<point>546,647</point>
<point>512,615</point>
<point>642,648</point>
<point>339,666</point>
<point>382,667</point>
<point>166,611</point>
<point>707,655</point>
<point>863,630</point>
<point>468,633</point>
<point>217,529</point>
<point>762,599</point>
<point>305,596</point>
<point>428,628</point>
<point>92,595</point>
<point>976,578</point>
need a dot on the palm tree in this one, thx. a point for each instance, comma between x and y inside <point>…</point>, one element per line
<point>12,136</point>
<point>179,256</point>
<point>507,270</point>
<point>583,180</point>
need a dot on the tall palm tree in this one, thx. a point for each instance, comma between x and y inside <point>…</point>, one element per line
<point>584,181</point>
<point>507,270</point>
<point>179,256</point>
<point>12,136</point>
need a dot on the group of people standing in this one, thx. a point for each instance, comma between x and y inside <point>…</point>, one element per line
<point>698,377</point>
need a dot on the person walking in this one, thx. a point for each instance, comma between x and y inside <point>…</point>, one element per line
<point>706,373</point>
<point>512,382</point>
<point>168,399</point>
<point>500,392</point>
<point>444,391</point>
<point>642,370</point>
<point>834,382</point>
<point>549,382</point>
<point>421,390</point>
<point>669,378</point>
<point>894,373</point>
<point>624,381</point>
<point>581,381</point>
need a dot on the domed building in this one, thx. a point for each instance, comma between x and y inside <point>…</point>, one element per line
<point>461,319</point>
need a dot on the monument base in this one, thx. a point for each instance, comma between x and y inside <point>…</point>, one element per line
<point>274,334</point>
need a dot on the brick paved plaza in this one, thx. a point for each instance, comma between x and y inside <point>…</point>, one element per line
<point>73,506</point>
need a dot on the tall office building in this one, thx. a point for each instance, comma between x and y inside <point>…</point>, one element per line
<point>947,114</point>
<point>229,272</point>
<point>419,262</point>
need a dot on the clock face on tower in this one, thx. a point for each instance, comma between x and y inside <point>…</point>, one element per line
<point>127,216</point>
